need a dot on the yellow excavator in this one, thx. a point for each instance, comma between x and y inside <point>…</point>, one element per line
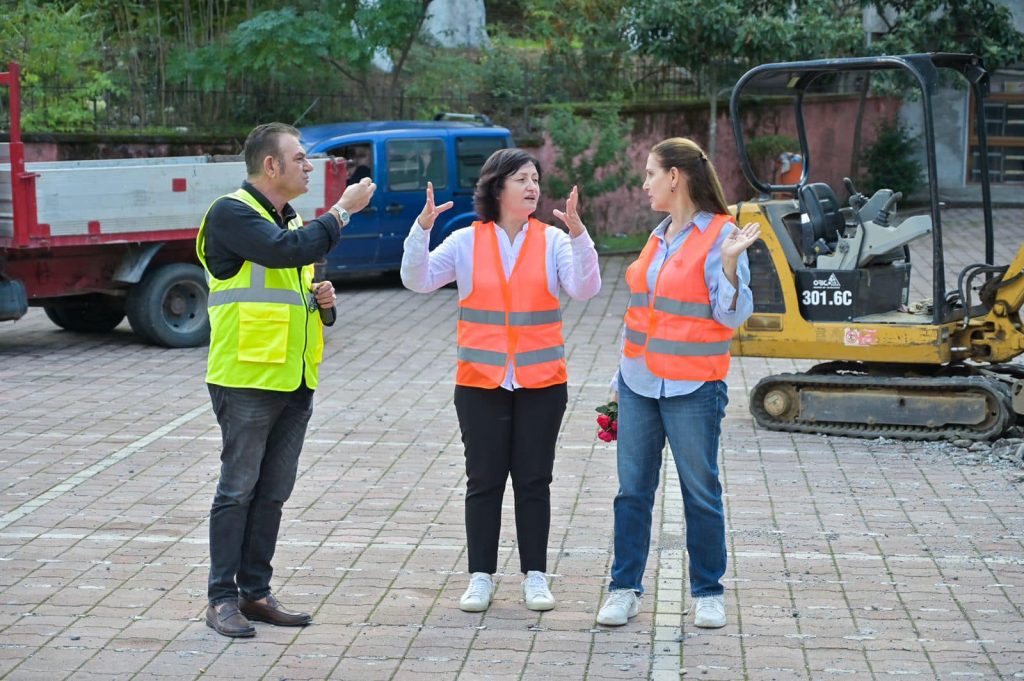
<point>831,282</point>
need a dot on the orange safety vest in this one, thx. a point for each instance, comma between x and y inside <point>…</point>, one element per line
<point>515,320</point>
<point>674,329</point>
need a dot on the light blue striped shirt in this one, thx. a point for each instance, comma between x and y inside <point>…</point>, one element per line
<point>634,370</point>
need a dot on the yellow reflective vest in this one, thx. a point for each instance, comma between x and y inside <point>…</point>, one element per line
<point>265,328</point>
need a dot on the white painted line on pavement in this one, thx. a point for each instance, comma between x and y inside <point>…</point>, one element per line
<point>98,467</point>
<point>578,550</point>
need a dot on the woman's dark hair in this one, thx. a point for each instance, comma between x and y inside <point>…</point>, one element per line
<point>701,178</point>
<point>497,168</point>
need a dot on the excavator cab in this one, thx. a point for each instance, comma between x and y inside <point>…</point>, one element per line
<point>832,278</point>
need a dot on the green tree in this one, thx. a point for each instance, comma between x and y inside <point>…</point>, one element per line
<point>716,42</point>
<point>584,48</point>
<point>980,27</point>
<point>591,154</point>
<point>890,162</point>
<point>63,78</point>
<point>303,37</point>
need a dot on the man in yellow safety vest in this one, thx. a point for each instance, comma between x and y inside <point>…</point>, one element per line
<point>266,343</point>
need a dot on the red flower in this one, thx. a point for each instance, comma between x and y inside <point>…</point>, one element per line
<point>608,421</point>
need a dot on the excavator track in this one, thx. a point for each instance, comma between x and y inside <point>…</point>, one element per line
<point>893,406</point>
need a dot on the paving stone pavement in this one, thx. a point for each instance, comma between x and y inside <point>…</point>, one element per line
<point>848,559</point>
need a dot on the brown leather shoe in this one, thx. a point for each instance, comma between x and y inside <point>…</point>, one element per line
<point>229,621</point>
<point>272,612</point>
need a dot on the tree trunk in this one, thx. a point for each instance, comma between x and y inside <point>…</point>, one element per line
<point>161,66</point>
<point>712,86</point>
<point>858,123</point>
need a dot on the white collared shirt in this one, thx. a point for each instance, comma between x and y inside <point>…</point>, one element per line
<point>571,264</point>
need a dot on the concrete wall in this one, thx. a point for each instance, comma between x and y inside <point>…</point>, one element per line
<point>950,116</point>
<point>457,23</point>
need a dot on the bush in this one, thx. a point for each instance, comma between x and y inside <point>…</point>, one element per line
<point>591,154</point>
<point>890,162</point>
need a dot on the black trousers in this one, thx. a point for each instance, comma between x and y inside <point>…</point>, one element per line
<point>262,433</point>
<point>509,432</point>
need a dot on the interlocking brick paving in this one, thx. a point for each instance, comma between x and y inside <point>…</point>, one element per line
<point>849,559</point>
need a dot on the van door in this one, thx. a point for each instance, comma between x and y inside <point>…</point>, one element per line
<point>359,245</point>
<point>411,162</point>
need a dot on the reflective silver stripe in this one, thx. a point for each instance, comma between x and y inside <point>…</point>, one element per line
<point>683,349</point>
<point>638,300</point>
<point>534,318</point>
<point>257,276</point>
<point>525,359</point>
<point>260,295</point>
<point>497,359</point>
<point>638,337</point>
<point>256,292</point>
<point>469,314</point>
<point>497,318</point>
<point>683,309</point>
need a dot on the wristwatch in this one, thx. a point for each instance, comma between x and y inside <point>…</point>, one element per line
<point>342,215</point>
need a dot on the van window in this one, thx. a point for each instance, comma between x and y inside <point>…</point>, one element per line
<point>358,160</point>
<point>412,162</point>
<point>471,152</point>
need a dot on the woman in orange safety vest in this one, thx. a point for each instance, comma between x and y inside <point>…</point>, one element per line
<point>688,290</point>
<point>510,384</point>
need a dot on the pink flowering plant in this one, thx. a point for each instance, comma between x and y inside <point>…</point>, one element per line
<point>608,421</point>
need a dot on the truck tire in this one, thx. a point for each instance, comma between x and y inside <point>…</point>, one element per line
<point>168,307</point>
<point>86,314</point>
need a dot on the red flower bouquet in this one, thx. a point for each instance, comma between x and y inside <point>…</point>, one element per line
<point>608,421</point>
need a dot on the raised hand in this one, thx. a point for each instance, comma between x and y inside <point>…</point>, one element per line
<point>357,196</point>
<point>739,240</point>
<point>571,217</point>
<point>430,211</point>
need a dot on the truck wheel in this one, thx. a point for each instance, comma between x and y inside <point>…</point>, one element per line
<point>86,314</point>
<point>168,307</point>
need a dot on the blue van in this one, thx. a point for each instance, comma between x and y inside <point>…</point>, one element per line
<point>401,156</point>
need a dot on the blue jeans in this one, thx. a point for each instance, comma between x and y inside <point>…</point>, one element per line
<point>692,424</point>
<point>262,433</point>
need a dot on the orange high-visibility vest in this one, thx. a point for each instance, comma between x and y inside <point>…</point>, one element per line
<point>674,329</point>
<point>515,320</point>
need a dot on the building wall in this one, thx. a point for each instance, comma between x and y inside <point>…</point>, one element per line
<point>950,116</point>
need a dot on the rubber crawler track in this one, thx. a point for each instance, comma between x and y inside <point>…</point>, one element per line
<point>997,396</point>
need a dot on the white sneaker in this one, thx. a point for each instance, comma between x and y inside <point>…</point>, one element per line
<point>478,595</point>
<point>536,592</point>
<point>620,605</point>
<point>710,611</point>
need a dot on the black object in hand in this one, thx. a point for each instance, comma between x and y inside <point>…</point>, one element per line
<point>328,315</point>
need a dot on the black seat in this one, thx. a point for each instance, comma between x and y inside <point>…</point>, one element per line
<point>820,204</point>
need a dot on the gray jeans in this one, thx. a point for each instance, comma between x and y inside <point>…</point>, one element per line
<point>262,433</point>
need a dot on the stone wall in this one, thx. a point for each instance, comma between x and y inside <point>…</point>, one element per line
<point>829,123</point>
<point>42,147</point>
